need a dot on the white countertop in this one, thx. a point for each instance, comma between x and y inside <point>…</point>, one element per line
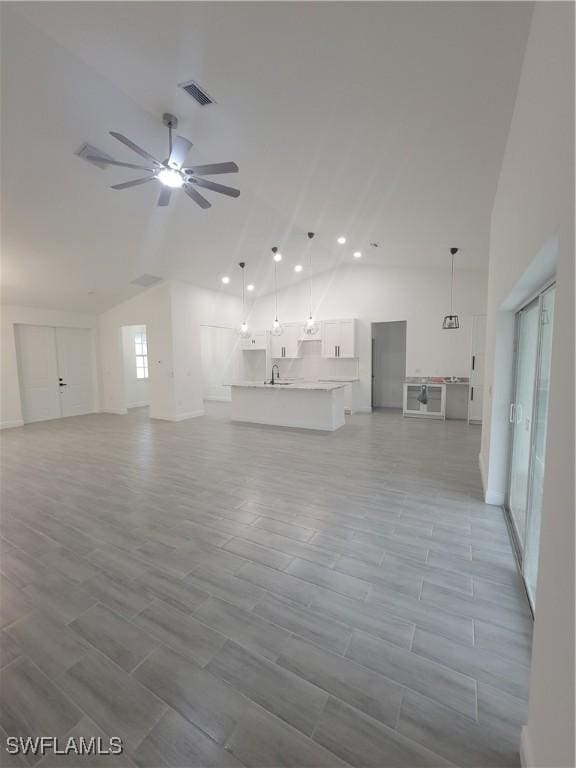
<point>344,379</point>
<point>324,386</point>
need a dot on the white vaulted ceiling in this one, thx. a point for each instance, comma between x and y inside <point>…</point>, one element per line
<point>383,121</point>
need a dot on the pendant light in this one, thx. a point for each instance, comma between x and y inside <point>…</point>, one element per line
<point>451,321</point>
<point>243,331</point>
<point>311,327</point>
<point>276,327</point>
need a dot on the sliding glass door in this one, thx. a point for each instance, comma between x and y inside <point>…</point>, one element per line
<point>521,415</point>
<point>529,419</point>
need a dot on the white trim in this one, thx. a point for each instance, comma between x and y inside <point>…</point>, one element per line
<point>116,411</point>
<point>139,404</point>
<point>363,410</point>
<point>494,498</point>
<point>218,399</point>
<point>10,424</point>
<point>482,473</point>
<point>526,754</point>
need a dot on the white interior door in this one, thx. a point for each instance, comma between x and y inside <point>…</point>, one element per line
<point>218,361</point>
<point>74,356</point>
<point>38,372</point>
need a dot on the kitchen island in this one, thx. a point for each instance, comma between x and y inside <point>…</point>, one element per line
<point>306,405</point>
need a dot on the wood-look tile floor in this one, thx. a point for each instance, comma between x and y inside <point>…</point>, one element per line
<point>219,594</point>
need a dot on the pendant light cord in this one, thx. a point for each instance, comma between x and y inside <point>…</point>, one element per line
<point>276,288</point>
<point>310,284</point>
<point>243,309</point>
<point>452,288</point>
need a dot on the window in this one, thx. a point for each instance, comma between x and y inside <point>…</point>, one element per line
<point>141,355</point>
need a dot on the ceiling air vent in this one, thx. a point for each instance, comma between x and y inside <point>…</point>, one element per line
<point>145,280</point>
<point>199,94</point>
<point>87,150</point>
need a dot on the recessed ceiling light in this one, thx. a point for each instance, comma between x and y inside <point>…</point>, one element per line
<point>277,256</point>
<point>298,268</point>
<point>225,279</point>
<point>341,240</point>
<point>250,287</point>
<point>357,254</point>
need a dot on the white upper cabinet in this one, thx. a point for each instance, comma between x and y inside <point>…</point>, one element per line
<point>339,338</point>
<point>256,341</point>
<point>286,345</point>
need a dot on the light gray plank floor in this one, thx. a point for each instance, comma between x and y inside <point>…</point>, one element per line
<point>218,594</point>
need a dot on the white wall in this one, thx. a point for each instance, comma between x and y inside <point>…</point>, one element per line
<point>10,405</point>
<point>532,234</point>
<point>376,294</point>
<point>173,313</point>
<point>136,389</point>
<point>389,364</point>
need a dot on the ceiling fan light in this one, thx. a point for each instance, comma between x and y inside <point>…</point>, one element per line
<point>450,323</point>
<point>170,177</point>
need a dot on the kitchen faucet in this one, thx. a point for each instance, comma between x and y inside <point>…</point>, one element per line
<point>277,371</point>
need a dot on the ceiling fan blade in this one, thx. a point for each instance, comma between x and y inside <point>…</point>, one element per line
<point>212,169</point>
<point>230,191</point>
<point>164,197</point>
<point>197,197</point>
<point>117,162</point>
<point>180,149</point>
<point>135,183</point>
<point>134,147</point>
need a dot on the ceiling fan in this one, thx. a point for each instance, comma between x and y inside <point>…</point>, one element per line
<point>171,172</point>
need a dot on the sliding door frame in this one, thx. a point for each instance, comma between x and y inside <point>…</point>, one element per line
<point>518,548</point>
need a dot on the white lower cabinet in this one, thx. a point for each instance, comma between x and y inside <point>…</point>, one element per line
<point>434,395</point>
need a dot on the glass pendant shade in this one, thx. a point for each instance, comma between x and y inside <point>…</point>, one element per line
<point>311,327</point>
<point>244,331</point>
<point>277,329</point>
<point>450,322</point>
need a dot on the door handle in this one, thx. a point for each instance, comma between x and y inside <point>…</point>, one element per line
<point>511,414</point>
<point>61,384</point>
<point>471,393</point>
<point>473,361</point>
<point>519,413</point>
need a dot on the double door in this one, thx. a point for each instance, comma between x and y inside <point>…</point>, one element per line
<point>528,417</point>
<point>55,370</point>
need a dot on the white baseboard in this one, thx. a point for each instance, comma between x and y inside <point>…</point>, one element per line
<point>138,405</point>
<point>526,756</point>
<point>116,411</point>
<point>10,424</point>
<point>363,410</point>
<point>218,399</point>
<point>494,498</point>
